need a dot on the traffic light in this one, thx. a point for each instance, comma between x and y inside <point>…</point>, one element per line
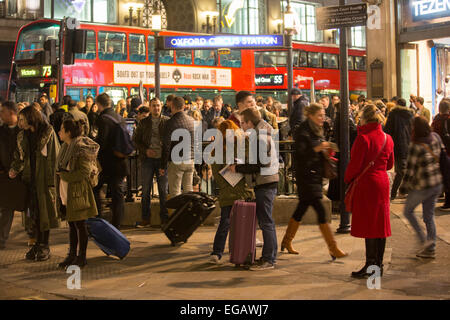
<point>74,42</point>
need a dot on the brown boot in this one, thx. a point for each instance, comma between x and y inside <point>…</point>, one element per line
<point>327,234</point>
<point>289,236</point>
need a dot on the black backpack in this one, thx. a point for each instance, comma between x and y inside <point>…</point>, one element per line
<point>122,144</point>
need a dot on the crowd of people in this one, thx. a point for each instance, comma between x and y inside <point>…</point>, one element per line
<point>64,153</point>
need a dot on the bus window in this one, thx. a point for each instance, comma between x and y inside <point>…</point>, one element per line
<point>134,92</point>
<point>32,38</point>
<point>115,93</point>
<point>330,60</point>
<point>90,47</point>
<point>350,63</point>
<point>303,59</point>
<point>81,93</point>
<point>270,59</point>
<point>205,57</point>
<point>360,63</point>
<point>137,47</point>
<point>166,56</point>
<point>232,60</point>
<point>184,56</point>
<point>295,58</point>
<point>112,46</point>
<point>314,59</point>
<point>151,49</point>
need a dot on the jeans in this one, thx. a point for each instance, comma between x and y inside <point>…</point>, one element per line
<point>150,168</point>
<point>117,186</point>
<point>264,206</point>
<point>400,169</point>
<point>6,219</point>
<point>428,199</point>
<point>180,174</point>
<point>222,231</point>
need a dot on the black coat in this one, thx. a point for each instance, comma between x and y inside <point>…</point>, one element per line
<point>398,126</point>
<point>111,165</point>
<point>8,144</point>
<point>308,163</point>
<point>297,114</point>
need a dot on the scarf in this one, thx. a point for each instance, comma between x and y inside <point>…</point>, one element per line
<point>317,130</point>
<point>80,146</point>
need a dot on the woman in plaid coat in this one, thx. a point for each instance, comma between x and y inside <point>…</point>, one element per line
<point>423,182</point>
<point>370,206</point>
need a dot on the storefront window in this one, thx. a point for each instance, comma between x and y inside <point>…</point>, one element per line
<point>358,36</point>
<point>408,65</point>
<point>245,20</point>
<point>307,16</point>
<point>79,9</point>
<point>103,11</point>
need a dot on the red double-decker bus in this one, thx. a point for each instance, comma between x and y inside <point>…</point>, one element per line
<point>118,58</point>
<point>311,62</point>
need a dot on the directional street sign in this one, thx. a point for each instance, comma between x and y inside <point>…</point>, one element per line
<point>341,16</point>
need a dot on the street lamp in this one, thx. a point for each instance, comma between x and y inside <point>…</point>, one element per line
<point>130,19</point>
<point>207,25</point>
<point>289,27</point>
<point>156,27</point>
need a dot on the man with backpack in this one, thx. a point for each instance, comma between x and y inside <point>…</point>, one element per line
<point>115,146</point>
<point>441,125</point>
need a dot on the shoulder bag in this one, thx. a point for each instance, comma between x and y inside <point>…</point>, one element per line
<point>349,193</point>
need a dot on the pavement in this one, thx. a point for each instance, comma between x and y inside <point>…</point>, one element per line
<point>154,270</point>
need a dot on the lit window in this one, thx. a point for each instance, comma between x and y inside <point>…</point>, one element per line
<point>246,19</point>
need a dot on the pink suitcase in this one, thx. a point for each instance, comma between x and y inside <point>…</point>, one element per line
<point>242,240</point>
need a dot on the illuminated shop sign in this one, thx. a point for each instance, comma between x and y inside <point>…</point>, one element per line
<point>430,9</point>
<point>34,72</point>
<point>269,79</point>
<point>207,42</point>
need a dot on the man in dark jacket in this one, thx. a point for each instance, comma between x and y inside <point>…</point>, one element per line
<point>45,105</point>
<point>299,105</point>
<point>8,145</point>
<point>57,118</point>
<point>181,170</point>
<point>114,168</point>
<point>398,126</point>
<point>166,108</point>
<point>148,140</point>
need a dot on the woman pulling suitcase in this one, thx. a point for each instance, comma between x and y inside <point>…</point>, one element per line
<point>227,195</point>
<point>75,166</point>
<point>310,146</point>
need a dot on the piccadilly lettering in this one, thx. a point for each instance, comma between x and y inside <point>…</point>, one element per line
<point>424,9</point>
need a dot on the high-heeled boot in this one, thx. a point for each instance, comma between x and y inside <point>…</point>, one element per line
<point>371,257</point>
<point>333,249</point>
<point>71,256</point>
<point>289,236</point>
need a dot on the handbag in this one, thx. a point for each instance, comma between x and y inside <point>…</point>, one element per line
<point>329,168</point>
<point>350,192</point>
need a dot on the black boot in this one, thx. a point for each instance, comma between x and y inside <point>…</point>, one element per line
<point>81,259</point>
<point>371,254</point>
<point>381,244</point>
<point>31,254</point>
<point>72,255</point>
<point>43,252</point>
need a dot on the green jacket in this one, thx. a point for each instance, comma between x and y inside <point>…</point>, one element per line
<point>46,152</point>
<point>80,197</point>
<point>143,134</point>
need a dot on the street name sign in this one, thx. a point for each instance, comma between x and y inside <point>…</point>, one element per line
<point>341,16</point>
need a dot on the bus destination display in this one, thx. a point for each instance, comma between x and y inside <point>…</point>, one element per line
<point>34,72</point>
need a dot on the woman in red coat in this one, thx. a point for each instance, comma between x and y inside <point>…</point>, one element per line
<point>370,206</point>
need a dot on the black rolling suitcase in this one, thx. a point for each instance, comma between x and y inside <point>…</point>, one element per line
<point>192,209</point>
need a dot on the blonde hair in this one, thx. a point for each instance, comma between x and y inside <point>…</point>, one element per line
<point>80,105</point>
<point>197,115</point>
<point>370,113</point>
<point>312,109</point>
